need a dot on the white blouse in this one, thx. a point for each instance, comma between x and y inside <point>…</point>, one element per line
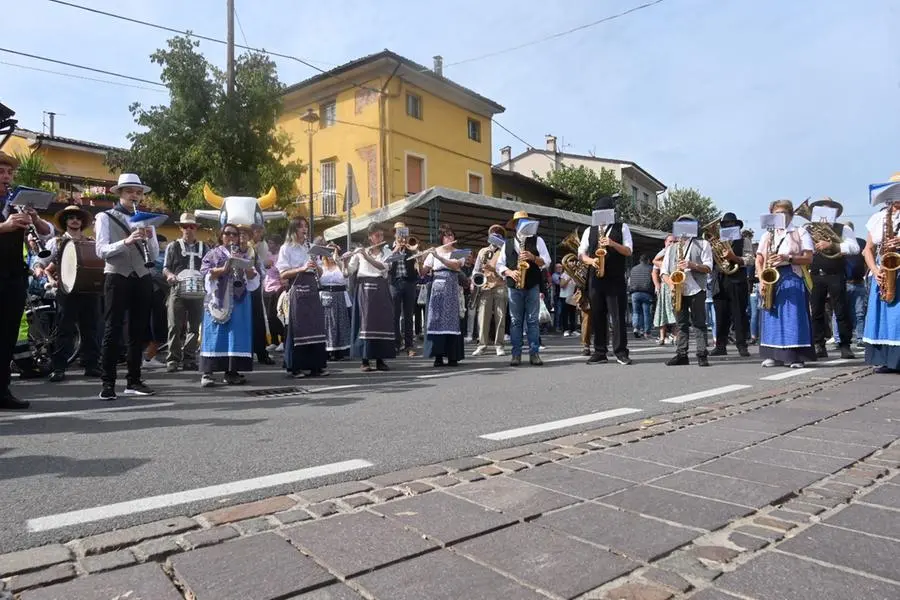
<point>334,276</point>
<point>787,241</point>
<point>875,225</point>
<point>362,268</point>
<point>292,256</point>
<point>436,265</point>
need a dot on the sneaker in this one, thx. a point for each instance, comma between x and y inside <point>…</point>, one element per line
<point>207,380</point>
<point>660,342</point>
<point>798,365</point>
<point>585,351</point>
<point>703,361</point>
<point>719,351</point>
<point>597,358</point>
<point>171,368</point>
<point>57,376</point>
<point>624,360</point>
<point>279,348</point>
<point>108,392</point>
<point>479,350</point>
<point>271,348</point>
<point>152,364</point>
<point>535,359</point>
<point>516,360</point>
<point>846,352</point>
<point>678,360</point>
<point>770,362</point>
<point>138,388</point>
<point>500,351</point>
<point>232,379</point>
<point>882,370</point>
<point>821,352</point>
<point>744,352</point>
<point>542,348</point>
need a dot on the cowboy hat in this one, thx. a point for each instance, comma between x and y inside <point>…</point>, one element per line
<point>129,180</point>
<point>827,201</point>
<point>520,214</point>
<point>72,210</point>
<point>730,219</point>
<point>186,219</point>
<point>889,193</point>
<point>9,159</point>
<point>399,225</point>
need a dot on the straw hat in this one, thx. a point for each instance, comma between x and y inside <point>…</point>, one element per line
<point>62,216</point>
<point>399,225</point>
<point>186,219</point>
<point>8,159</point>
<point>520,214</point>
<point>827,201</point>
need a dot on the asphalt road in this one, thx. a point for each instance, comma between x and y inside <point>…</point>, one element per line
<point>187,438</point>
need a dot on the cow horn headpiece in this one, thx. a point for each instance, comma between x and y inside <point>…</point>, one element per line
<point>239,210</point>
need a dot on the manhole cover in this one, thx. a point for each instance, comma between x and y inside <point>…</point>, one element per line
<point>283,391</point>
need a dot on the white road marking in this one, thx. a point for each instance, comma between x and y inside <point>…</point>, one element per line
<point>450,373</point>
<point>88,411</point>
<point>331,388</point>
<point>838,361</point>
<point>787,374</point>
<point>706,394</point>
<point>119,509</point>
<point>565,358</point>
<point>598,416</point>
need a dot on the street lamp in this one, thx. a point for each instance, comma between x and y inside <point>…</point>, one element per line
<point>310,118</point>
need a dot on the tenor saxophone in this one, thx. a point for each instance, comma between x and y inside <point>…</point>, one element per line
<point>769,276</point>
<point>890,260</point>
<point>522,267</point>
<point>600,259</point>
<point>677,278</point>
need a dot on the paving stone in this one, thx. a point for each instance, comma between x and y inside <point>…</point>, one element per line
<point>513,497</point>
<point>662,453</point>
<point>123,538</point>
<point>242,512</point>
<point>262,567</point>
<point>824,447</point>
<point>849,423</point>
<point>760,532</point>
<point>831,434</point>
<point>252,526</point>
<point>691,439</point>
<point>672,506</point>
<point>293,516</point>
<point>408,475</point>
<point>774,523</point>
<point>338,490</point>
<point>719,554</point>
<point>53,574</point>
<point>571,441</point>
<point>748,543</point>
<point>443,517</point>
<point>547,559</point>
<point>337,591</point>
<point>726,489</point>
<point>574,482</point>
<point>786,515</point>
<point>512,465</point>
<point>208,537</point>
<point>387,494</point>
<point>356,543</point>
<point>886,495</point>
<point>639,471</point>
<point>108,561</point>
<point>535,460</point>
<point>811,497</point>
<point>828,491</point>
<point>157,549</point>
<point>825,465</point>
<point>763,473</point>
<point>803,507</point>
<point>858,481</point>
<point>489,471</point>
<point>469,476</point>
<point>713,594</point>
<point>506,454</point>
<point>721,431</point>
<point>632,535</point>
<point>357,501</point>
<point>690,566</point>
<point>638,591</point>
<point>868,519</point>
<point>444,481</point>
<point>465,464</point>
<point>749,422</point>
<point>323,509</point>
<point>416,487</point>
<point>776,575</point>
<point>442,575</point>
<point>35,558</point>
<point>865,553</point>
<point>667,578</point>
<point>143,582</point>
<point>569,452</point>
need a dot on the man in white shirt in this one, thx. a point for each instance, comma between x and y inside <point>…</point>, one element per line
<point>524,301</point>
<point>694,257</point>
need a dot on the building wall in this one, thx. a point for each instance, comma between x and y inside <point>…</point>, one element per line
<point>65,161</point>
<point>519,191</point>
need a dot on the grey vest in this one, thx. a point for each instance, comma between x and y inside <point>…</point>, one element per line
<point>132,259</point>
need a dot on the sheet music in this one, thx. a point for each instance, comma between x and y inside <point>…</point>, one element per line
<point>687,229</point>
<point>730,234</point>
<point>773,221</point>
<point>823,214</point>
<point>602,218</point>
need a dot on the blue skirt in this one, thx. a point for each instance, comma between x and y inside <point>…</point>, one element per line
<point>882,332</point>
<point>228,346</point>
<point>443,335</point>
<point>786,334</point>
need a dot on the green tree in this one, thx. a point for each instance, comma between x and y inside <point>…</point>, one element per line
<point>681,201</point>
<point>204,136</point>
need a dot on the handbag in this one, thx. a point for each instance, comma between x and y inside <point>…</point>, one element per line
<point>544,315</point>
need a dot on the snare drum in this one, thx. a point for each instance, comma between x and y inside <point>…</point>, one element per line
<point>190,284</point>
<point>80,270</point>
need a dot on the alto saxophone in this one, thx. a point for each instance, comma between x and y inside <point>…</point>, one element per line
<point>890,260</point>
<point>522,267</point>
<point>677,278</point>
<point>769,276</point>
<point>600,258</point>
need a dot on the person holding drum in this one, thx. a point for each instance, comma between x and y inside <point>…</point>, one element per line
<point>185,305</point>
<point>74,264</point>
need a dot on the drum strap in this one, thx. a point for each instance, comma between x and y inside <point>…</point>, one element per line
<point>191,255</point>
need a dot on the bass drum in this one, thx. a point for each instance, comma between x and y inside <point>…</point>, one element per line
<point>80,270</point>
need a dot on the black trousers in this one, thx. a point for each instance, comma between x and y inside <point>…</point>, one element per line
<point>730,305</point>
<point>834,289</point>
<point>276,327</point>
<point>609,301</point>
<point>12,305</point>
<point>693,314</point>
<point>81,311</point>
<point>259,324</point>
<point>404,296</point>
<point>131,295</point>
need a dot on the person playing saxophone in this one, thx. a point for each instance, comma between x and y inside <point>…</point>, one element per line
<point>493,299</point>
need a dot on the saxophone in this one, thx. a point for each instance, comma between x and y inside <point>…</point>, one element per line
<point>769,276</point>
<point>677,278</point>
<point>600,258</point>
<point>890,260</point>
<point>720,249</point>
<point>522,267</point>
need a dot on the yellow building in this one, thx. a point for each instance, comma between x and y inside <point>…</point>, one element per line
<point>401,127</point>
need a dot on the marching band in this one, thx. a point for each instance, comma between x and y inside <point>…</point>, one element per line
<point>362,303</point>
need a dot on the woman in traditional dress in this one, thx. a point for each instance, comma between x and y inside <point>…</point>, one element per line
<point>336,302</point>
<point>882,331</point>
<point>786,337</point>
<point>304,348</point>
<point>664,315</point>
<point>443,337</point>
<point>373,311</point>
<point>228,319</point>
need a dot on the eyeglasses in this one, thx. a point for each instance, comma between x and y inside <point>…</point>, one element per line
<point>230,233</point>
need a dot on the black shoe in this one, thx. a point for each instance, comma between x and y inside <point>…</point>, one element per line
<point>57,376</point>
<point>719,351</point>
<point>678,360</point>
<point>108,392</point>
<point>702,361</point>
<point>31,374</point>
<point>846,352</point>
<point>821,352</point>
<point>380,365</point>
<point>586,352</point>
<point>265,360</point>
<point>10,402</point>
<point>438,361</point>
<point>623,360</point>
<point>597,358</point>
<point>138,388</point>
<point>189,367</point>
<point>232,379</point>
<point>744,352</point>
<point>93,373</point>
<point>516,360</point>
<point>452,363</point>
<point>535,359</point>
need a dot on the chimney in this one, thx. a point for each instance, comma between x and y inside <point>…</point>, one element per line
<point>52,124</point>
<point>439,65</point>
<point>506,156</point>
<point>551,143</point>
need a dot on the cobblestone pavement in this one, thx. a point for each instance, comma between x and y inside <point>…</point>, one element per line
<point>768,496</point>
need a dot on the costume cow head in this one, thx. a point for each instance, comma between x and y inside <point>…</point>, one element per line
<point>239,210</point>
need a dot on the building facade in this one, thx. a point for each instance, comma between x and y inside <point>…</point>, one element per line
<point>517,187</point>
<point>401,128</point>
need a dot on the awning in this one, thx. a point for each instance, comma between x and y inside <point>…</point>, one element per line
<point>470,216</point>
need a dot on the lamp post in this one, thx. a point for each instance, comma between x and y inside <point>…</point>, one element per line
<point>310,118</point>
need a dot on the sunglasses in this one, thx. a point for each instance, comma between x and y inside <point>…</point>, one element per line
<point>230,233</point>
<point>189,227</point>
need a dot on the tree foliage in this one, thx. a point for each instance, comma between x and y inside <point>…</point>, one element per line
<point>684,201</point>
<point>205,136</point>
<point>31,169</point>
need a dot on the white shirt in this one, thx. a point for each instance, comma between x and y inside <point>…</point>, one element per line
<point>583,249</point>
<point>362,268</point>
<point>875,225</point>
<point>541,248</point>
<point>849,245</point>
<point>566,286</point>
<point>699,251</point>
<point>785,243</point>
<point>292,256</point>
<point>434,264</point>
<point>105,249</point>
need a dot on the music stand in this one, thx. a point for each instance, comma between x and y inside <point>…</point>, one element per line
<point>27,197</point>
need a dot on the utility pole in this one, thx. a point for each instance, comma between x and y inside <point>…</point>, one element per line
<point>230,60</point>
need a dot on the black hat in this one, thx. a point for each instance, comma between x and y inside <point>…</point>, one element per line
<point>607,202</point>
<point>730,219</point>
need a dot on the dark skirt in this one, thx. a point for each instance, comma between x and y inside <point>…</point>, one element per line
<point>305,347</point>
<point>373,320</point>
<point>443,317</point>
<point>337,320</point>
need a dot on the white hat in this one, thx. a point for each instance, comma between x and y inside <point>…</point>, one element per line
<point>129,180</point>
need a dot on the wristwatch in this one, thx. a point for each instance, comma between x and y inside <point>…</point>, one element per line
<point>791,259</point>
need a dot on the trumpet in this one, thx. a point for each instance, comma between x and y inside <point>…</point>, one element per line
<point>769,276</point>
<point>677,278</point>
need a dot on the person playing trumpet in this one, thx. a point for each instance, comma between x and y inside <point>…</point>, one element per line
<point>403,276</point>
<point>493,299</point>
<point>372,326</point>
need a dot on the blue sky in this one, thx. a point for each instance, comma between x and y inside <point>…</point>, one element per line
<point>746,100</point>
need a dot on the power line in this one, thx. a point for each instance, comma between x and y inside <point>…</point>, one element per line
<point>68,64</point>
<point>501,126</point>
<point>74,76</point>
<point>240,26</point>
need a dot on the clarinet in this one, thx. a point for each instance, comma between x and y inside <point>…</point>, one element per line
<point>31,230</point>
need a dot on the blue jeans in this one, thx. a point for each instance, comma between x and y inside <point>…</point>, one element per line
<point>524,309</point>
<point>753,306</point>
<point>856,305</point>
<point>640,312</point>
<point>711,318</point>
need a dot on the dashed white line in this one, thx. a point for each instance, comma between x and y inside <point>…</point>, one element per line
<point>86,412</point>
<point>706,393</point>
<point>597,416</point>
<point>450,373</point>
<point>205,493</point>
<point>786,374</point>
